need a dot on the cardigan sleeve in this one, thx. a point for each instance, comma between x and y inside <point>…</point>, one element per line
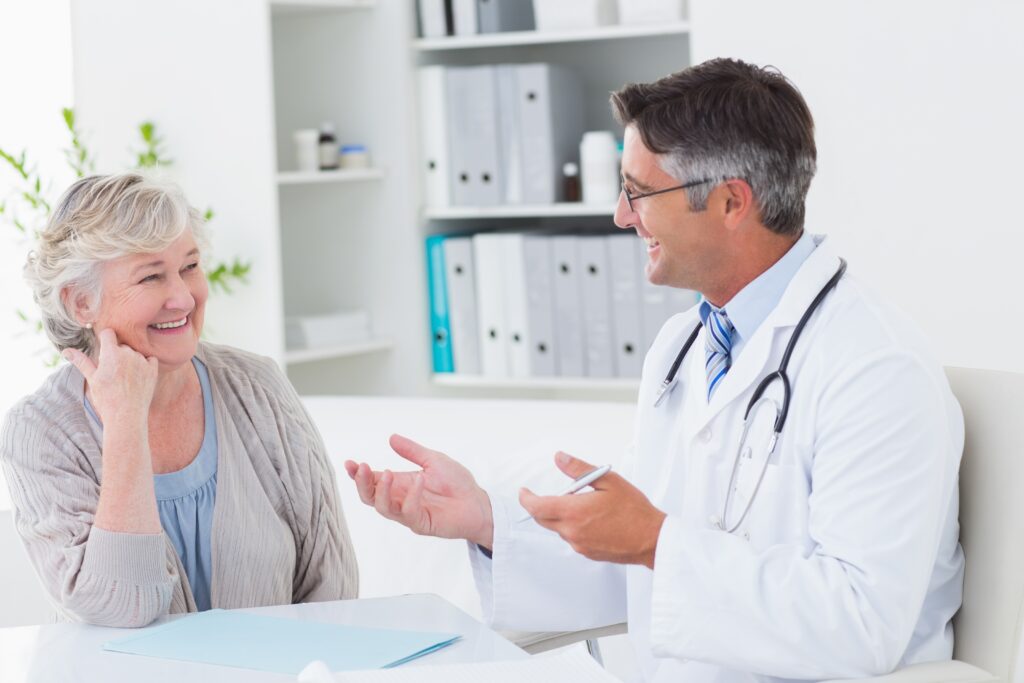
<point>93,575</point>
<point>326,566</point>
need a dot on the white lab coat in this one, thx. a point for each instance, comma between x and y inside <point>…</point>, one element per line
<point>848,564</point>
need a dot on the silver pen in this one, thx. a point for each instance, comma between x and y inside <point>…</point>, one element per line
<point>579,484</point>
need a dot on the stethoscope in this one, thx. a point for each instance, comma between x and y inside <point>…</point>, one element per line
<point>756,400</point>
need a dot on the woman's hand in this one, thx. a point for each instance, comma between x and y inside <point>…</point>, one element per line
<point>121,381</point>
<point>442,499</point>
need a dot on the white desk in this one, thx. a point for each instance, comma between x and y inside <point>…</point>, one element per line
<point>66,653</point>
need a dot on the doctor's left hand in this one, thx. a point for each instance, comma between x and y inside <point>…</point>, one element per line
<point>614,523</point>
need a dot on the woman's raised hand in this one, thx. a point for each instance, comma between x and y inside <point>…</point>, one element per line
<point>121,380</point>
<point>441,499</point>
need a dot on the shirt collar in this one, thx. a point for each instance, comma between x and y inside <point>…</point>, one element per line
<point>749,308</point>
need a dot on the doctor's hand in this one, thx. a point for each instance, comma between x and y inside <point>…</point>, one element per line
<point>441,499</point>
<point>614,523</point>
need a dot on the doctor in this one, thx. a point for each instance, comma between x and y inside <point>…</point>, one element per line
<point>828,550</point>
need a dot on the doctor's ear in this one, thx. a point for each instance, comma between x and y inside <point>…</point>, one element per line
<point>736,202</point>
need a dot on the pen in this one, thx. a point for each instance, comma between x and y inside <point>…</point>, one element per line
<point>580,483</point>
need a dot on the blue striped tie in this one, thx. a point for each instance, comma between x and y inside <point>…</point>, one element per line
<point>718,331</point>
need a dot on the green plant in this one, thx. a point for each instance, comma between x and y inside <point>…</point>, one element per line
<point>27,208</point>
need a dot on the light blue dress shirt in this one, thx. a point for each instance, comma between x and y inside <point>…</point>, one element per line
<point>185,500</point>
<point>752,304</point>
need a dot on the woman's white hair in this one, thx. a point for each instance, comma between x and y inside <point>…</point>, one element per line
<point>101,218</point>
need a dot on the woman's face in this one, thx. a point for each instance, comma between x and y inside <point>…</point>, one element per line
<point>155,302</point>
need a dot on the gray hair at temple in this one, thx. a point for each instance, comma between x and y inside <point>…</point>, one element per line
<point>725,119</point>
<point>98,219</point>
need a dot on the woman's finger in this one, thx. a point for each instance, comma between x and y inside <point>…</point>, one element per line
<point>80,361</point>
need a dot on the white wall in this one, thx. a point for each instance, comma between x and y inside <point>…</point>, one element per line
<point>138,61</point>
<point>35,91</point>
<point>919,107</point>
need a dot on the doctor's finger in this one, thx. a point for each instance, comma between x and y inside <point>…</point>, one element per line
<point>574,467</point>
<point>415,453</point>
<point>365,483</point>
<point>540,507</point>
<point>382,499</point>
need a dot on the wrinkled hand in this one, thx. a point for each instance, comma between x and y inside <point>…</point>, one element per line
<point>615,522</point>
<point>121,380</point>
<point>441,499</point>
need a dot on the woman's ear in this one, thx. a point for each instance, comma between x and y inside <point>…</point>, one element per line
<point>79,305</point>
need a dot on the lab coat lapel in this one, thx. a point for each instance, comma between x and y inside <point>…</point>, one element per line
<point>757,359</point>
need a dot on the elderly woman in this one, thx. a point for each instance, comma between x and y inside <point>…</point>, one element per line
<point>157,473</point>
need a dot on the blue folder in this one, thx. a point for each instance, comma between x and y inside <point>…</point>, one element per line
<point>440,325</point>
<point>285,646</point>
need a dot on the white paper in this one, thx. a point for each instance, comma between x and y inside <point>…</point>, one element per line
<point>573,664</point>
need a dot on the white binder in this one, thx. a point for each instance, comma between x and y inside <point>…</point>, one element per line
<point>680,300</point>
<point>433,123</point>
<point>464,17</point>
<point>568,304</point>
<point>433,19</point>
<point>596,291</point>
<point>654,309</point>
<point>473,135</point>
<point>517,309</point>
<point>510,140</point>
<point>538,274</point>
<point>490,293</point>
<point>461,284</point>
<point>550,125</point>
<point>499,16</point>
<point>627,328</point>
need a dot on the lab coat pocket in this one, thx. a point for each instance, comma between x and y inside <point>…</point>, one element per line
<point>771,501</point>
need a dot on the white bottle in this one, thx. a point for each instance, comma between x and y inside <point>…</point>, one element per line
<point>599,166</point>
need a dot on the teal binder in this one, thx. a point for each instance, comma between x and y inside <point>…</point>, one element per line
<point>440,325</point>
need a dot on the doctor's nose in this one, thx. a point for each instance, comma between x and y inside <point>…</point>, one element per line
<point>625,217</point>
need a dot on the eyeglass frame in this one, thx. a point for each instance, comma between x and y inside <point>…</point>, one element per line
<point>630,198</point>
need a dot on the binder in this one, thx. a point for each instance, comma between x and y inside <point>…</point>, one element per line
<point>627,328</point>
<point>460,281</point>
<point>433,123</point>
<point>440,331</point>
<point>551,125</point>
<point>517,328</point>
<point>568,305</point>
<point>596,290</point>
<point>434,19</point>
<point>473,135</point>
<point>498,16</point>
<point>680,300</point>
<point>510,147</point>
<point>487,256</point>
<point>538,273</point>
<point>464,18</point>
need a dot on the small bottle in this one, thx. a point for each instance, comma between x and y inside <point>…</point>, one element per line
<point>355,156</point>
<point>571,182</point>
<point>599,161</point>
<point>328,147</point>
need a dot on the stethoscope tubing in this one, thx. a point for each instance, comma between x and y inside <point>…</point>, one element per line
<point>757,397</point>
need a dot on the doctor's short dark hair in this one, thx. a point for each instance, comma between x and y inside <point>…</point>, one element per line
<point>726,119</point>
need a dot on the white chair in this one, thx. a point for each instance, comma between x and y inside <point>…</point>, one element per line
<point>990,624</point>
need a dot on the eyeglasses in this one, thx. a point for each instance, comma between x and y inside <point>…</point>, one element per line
<point>631,198</point>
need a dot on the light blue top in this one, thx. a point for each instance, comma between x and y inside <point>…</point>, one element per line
<point>752,304</point>
<point>185,500</point>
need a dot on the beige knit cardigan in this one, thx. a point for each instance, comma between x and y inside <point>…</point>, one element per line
<point>278,533</point>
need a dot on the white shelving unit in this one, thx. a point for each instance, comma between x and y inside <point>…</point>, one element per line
<point>339,176</point>
<point>295,356</point>
<point>280,7</point>
<point>562,210</point>
<point>605,59</point>
<point>590,384</point>
<point>515,38</point>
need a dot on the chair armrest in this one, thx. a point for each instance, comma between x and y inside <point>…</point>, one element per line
<point>932,672</point>
<point>535,642</point>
